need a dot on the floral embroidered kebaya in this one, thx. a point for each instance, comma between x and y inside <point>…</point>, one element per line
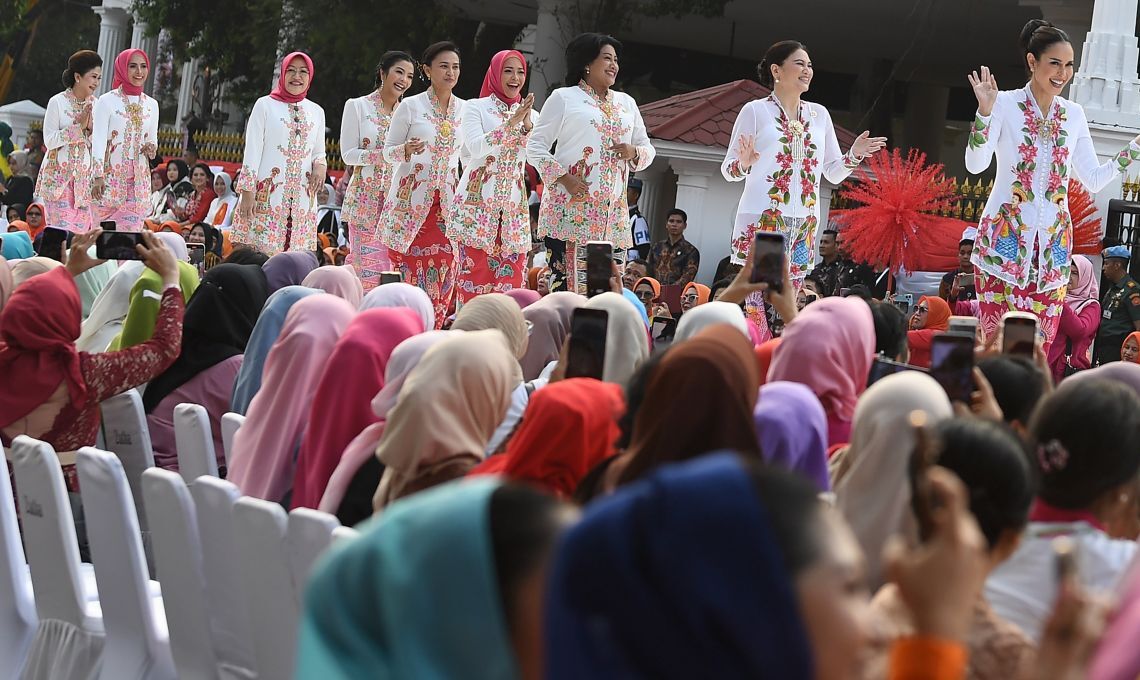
<point>1025,232</point>
<point>122,126</point>
<point>284,143</point>
<point>585,127</point>
<point>363,129</point>
<point>67,164</point>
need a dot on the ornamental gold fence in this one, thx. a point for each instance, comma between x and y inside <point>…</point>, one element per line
<point>227,147</point>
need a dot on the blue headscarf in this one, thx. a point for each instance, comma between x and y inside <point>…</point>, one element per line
<point>265,332</point>
<point>677,575</point>
<point>629,295</point>
<point>416,595</point>
<point>17,245</point>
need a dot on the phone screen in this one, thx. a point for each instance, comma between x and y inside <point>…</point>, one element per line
<point>197,253</point>
<point>51,243</point>
<point>118,245</point>
<point>599,267</point>
<point>1019,336</point>
<point>587,355</point>
<point>664,328</point>
<point>390,277</point>
<point>768,260</point>
<point>108,225</point>
<point>952,365</point>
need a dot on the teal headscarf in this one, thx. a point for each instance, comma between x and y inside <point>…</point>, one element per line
<point>92,282</point>
<point>265,333</point>
<point>414,596</point>
<point>17,245</point>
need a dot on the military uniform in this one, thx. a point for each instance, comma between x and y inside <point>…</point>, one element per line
<point>842,273</point>
<point>1121,305</point>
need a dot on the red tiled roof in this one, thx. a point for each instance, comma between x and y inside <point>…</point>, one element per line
<point>706,116</point>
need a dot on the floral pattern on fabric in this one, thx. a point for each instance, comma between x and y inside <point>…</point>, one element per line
<point>996,297</point>
<point>364,198</point>
<point>69,165</point>
<point>124,168</point>
<point>979,133</point>
<point>495,270</point>
<point>430,263</point>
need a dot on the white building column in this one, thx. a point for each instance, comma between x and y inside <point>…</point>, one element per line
<point>186,91</point>
<point>552,32</point>
<point>693,178</point>
<point>652,184</point>
<point>112,40</point>
<point>149,44</point>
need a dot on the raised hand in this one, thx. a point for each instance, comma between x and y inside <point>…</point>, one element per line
<point>747,154</point>
<point>76,258</point>
<point>521,116</point>
<point>985,89</point>
<point>865,145</point>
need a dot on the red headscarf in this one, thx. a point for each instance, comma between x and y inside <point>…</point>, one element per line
<point>570,426</point>
<point>938,313</point>
<point>122,71</point>
<point>40,324</point>
<point>280,93</point>
<point>493,81</point>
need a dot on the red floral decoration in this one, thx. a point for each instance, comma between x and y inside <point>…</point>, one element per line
<point>1086,220</point>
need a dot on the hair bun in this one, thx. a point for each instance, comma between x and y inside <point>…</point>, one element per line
<point>1029,29</point>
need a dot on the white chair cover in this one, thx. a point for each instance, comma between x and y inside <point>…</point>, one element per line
<point>178,556</point>
<point>310,533</point>
<point>195,442</point>
<point>137,643</point>
<point>268,580</point>
<point>126,435</point>
<point>17,606</point>
<point>69,639</point>
<point>229,612</point>
<point>342,534</point>
<point>230,424</point>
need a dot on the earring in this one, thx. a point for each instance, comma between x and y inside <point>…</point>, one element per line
<point>777,81</point>
<point>587,70</point>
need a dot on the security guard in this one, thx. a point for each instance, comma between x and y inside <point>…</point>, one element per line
<point>1120,305</point>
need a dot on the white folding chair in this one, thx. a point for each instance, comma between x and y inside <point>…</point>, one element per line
<point>231,422</point>
<point>178,557</point>
<point>69,638</point>
<point>17,605</point>
<point>342,534</point>
<point>225,588</point>
<point>261,530</point>
<point>195,442</point>
<point>137,641</point>
<point>126,435</point>
<point>310,533</point>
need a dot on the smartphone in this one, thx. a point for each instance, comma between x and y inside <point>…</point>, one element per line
<point>964,324</point>
<point>844,292</point>
<point>390,277</point>
<point>952,364</point>
<point>1018,334</point>
<point>1064,557</point>
<point>903,301</point>
<point>599,267</point>
<point>768,260</point>
<point>197,253</point>
<point>108,225</point>
<point>118,245</point>
<point>965,280</point>
<point>587,352</point>
<point>881,367</point>
<point>52,242</point>
<point>663,330</point>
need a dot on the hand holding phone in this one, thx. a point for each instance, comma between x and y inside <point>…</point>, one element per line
<point>768,260</point>
<point>1019,334</point>
<point>118,245</point>
<point>586,357</point>
<point>952,365</point>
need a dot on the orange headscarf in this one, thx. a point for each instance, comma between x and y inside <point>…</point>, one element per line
<point>938,316</point>
<point>22,226</point>
<point>653,283</point>
<point>764,353</point>
<point>532,277</point>
<point>703,292</point>
<point>43,220</point>
<point>1133,336</point>
<point>173,226</point>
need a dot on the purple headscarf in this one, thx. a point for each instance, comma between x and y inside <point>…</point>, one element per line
<point>791,427</point>
<point>1118,371</point>
<point>288,269</point>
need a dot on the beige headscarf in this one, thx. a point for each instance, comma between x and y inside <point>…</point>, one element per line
<point>447,410</point>
<point>33,266</point>
<point>871,485</point>
<point>6,283</point>
<point>627,340</point>
<point>498,311</point>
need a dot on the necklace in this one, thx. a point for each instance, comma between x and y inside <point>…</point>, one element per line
<point>794,129</point>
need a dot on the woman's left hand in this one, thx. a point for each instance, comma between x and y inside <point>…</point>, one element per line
<point>76,258</point>
<point>865,145</point>
<point>149,149</point>
<point>316,179</point>
<point>625,152</point>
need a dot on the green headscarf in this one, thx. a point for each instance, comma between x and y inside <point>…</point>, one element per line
<point>416,595</point>
<point>142,315</point>
<point>92,282</point>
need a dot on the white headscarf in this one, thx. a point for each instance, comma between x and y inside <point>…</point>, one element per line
<point>229,183</point>
<point>176,243</point>
<point>109,309</point>
<point>399,294</point>
<point>711,313</point>
<point>627,342</point>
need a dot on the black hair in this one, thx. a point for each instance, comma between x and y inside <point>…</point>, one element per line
<point>991,461</point>
<point>1037,36</point>
<point>183,168</point>
<point>436,49</point>
<point>794,512</point>
<point>636,260</point>
<point>890,329</point>
<point>677,211</point>
<point>582,50</point>
<point>861,291</point>
<point>205,168</point>
<point>525,524</point>
<point>390,59</point>
<point>1085,441</point>
<point>833,232</point>
<point>79,64</point>
<point>719,285</point>
<point>813,277</point>
<point>776,55</point>
<point>247,255</point>
<point>534,210</point>
<point>1017,383</point>
<point>635,391</point>
<point>965,241</point>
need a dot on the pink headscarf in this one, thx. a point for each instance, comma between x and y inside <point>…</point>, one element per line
<point>280,93</point>
<point>262,466</point>
<point>341,408</point>
<point>339,281</point>
<point>524,297</point>
<point>122,71</point>
<point>829,348</point>
<point>1088,285</point>
<point>493,81</point>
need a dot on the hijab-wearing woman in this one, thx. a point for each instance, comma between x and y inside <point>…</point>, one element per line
<point>341,407</point>
<point>791,428</point>
<point>599,139</point>
<point>491,222</point>
<point>284,164</point>
<point>265,447</point>
<point>24,270</point>
<point>627,337</point>
<point>700,318</point>
<point>339,281</point>
<point>142,308</point>
<point>222,208</point>
<point>931,317</point>
<point>64,180</point>
<point>1080,318</point>
<point>37,219</point>
<point>694,295</point>
<point>198,202</point>
<point>569,427</point>
<point>523,297</point>
<point>648,291</point>
<point>288,269</point>
<point>21,185</point>
<point>124,139</point>
<point>400,294</point>
<point>363,129</point>
<point>16,211</point>
<point>871,484</point>
<point>156,203</point>
<point>495,310</point>
<point>424,143</point>
<point>829,348</point>
<point>1085,444</point>
<point>268,328</point>
<point>174,194</point>
<point>51,391</point>
<point>92,282</point>
<point>372,608</point>
<point>421,450</point>
<point>17,245</point>
<point>1130,350</point>
<point>550,322</point>
<point>109,309</point>
<point>219,320</point>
